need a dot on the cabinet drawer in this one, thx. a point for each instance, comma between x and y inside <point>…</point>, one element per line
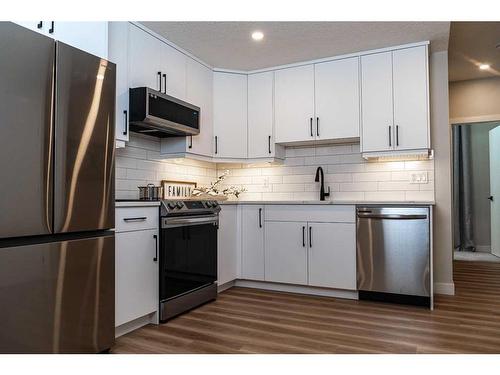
<point>136,218</point>
<point>311,213</point>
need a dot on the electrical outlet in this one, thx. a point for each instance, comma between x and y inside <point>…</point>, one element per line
<point>266,182</point>
<point>418,178</point>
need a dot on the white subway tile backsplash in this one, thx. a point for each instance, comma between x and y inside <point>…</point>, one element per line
<point>348,175</point>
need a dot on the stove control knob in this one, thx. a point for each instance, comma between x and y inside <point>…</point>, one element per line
<point>208,204</point>
<point>179,205</point>
<point>171,205</point>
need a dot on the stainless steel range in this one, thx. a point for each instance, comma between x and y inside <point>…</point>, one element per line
<point>188,255</point>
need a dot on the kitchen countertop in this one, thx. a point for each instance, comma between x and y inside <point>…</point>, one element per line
<point>334,202</point>
<point>142,203</point>
<point>135,203</point>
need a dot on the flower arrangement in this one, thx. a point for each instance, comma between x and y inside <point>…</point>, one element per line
<point>214,190</point>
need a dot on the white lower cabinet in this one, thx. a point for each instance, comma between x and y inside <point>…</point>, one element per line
<point>286,252</point>
<point>252,242</point>
<point>136,263</point>
<point>297,244</point>
<point>228,244</point>
<point>332,255</point>
<point>136,275</point>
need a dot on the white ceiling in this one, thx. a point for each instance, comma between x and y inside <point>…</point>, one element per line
<point>228,44</point>
<point>471,44</point>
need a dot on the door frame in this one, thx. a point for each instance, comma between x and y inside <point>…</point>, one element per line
<point>473,120</point>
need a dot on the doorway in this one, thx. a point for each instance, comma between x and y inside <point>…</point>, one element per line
<point>476,191</point>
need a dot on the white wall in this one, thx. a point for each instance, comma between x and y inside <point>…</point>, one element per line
<point>349,176</point>
<point>441,143</point>
<point>475,100</point>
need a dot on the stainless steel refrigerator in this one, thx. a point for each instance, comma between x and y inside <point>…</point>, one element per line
<point>57,107</point>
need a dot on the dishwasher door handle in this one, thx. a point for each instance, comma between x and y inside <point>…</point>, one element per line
<point>391,216</point>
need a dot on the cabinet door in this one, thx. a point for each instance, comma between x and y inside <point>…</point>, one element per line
<point>118,53</point>
<point>332,255</point>
<point>91,37</point>
<point>336,85</point>
<point>144,59</point>
<point>376,102</point>
<point>173,67</point>
<point>260,115</point>
<point>227,250</point>
<point>41,27</point>
<point>252,242</point>
<point>199,91</point>
<point>294,104</point>
<point>230,115</point>
<point>286,252</point>
<point>411,116</point>
<point>136,275</point>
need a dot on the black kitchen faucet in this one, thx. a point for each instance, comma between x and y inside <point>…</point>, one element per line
<point>322,193</point>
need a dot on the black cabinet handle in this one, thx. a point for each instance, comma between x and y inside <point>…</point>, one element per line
<point>260,217</point>
<point>126,122</point>
<point>216,144</point>
<point>311,126</point>
<point>39,25</point>
<point>164,83</point>
<point>390,143</point>
<point>397,135</point>
<point>303,236</point>
<point>317,126</point>
<point>310,237</point>
<point>491,198</point>
<point>51,30</point>
<point>127,219</point>
<point>190,141</point>
<point>155,259</point>
<point>269,144</point>
<point>159,81</point>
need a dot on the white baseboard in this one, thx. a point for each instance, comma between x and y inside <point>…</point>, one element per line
<point>300,289</point>
<point>444,288</point>
<point>483,248</point>
<point>136,324</point>
<point>223,287</point>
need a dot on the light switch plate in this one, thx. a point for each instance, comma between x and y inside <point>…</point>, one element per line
<point>418,177</point>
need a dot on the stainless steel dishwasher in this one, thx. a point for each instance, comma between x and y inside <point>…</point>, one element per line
<point>393,254</point>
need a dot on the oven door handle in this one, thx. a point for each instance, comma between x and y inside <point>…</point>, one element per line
<point>189,221</point>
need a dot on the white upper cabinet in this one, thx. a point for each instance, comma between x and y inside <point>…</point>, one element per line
<point>376,99</point>
<point>336,85</point>
<point>91,37</point>
<point>260,115</point>
<point>294,104</point>
<point>230,115</point>
<point>394,97</point>
<point>144,59</point>
<point>411,115</point>
<point>199,91</point>
<point>118,53</point>
<point>173,71</point>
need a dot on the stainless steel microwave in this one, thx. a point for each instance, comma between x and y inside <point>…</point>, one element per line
<point>161,115</point>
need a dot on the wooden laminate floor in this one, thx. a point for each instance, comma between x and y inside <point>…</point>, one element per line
<point>254,321</point>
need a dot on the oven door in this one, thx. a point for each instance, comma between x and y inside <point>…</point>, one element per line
<point>188,255</point>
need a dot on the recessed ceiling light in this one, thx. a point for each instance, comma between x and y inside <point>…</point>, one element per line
<point>257,35</point>
<point>484,66</point>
